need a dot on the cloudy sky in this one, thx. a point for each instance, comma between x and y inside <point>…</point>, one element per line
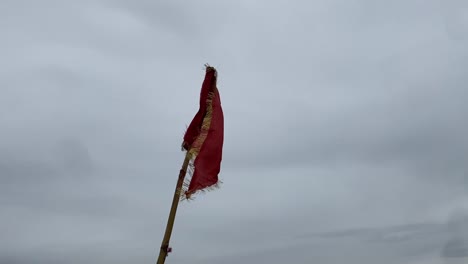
<point>345,130</point>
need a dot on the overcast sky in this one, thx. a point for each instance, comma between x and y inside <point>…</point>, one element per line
<point>345,130</point>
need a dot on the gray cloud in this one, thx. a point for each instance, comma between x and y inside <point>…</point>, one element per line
<point>345,127</point>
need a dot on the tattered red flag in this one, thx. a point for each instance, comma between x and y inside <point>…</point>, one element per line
<point>204,139</point>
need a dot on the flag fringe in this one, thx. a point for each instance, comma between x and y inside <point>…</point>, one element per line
<point>195,149</point>
<point>190,197</point>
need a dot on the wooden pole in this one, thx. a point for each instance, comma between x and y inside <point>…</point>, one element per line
<point>172,214</point>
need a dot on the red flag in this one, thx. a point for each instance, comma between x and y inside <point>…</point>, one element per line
<point>204,139</point>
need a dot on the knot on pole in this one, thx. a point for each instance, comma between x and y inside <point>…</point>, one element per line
<point>166,249</point>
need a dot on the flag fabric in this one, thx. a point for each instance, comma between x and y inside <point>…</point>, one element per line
<point>204,139</point>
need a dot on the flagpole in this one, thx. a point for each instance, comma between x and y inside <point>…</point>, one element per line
<point>172,214</point>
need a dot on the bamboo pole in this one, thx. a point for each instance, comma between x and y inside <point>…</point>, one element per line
<point>172,214</point>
